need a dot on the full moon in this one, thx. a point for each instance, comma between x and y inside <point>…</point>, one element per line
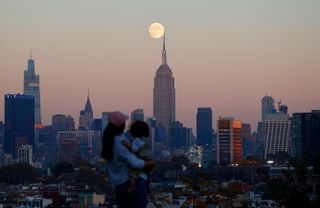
<point>156,30</point>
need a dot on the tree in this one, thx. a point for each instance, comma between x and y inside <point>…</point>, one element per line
<point>62,167</point>
<point>293,189</point>
<point>316,168</point>
<point>80,162</point>
<point>180,160</point>
<point>18,173</point>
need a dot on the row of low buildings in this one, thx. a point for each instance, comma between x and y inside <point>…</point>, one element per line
<point>50,195</point>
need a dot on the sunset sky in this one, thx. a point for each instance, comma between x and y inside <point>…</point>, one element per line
<point>224,54</point>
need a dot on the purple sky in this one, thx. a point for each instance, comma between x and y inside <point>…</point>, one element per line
<point>224,54</point>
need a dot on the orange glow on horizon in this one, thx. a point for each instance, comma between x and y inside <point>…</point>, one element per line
<point>39,126</point>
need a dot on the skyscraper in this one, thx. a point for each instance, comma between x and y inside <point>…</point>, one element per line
<point>179,135</point>
<point>259,151</point>
<point>267,106</point>
<point>1,132</point>
<point>276,133</point>
<point>31,87</point>
<point>283,109</point>
<point>229,140</point>
<point>204,126</point>
<point>96,124</point>
<point>61,122</point>
<point>306,135</point>
<point>247,141</point>
<point>86,116</point>
<point>164,107</point>
<point>19,122</point>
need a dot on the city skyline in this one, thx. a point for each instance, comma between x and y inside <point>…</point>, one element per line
<point>224,56</point>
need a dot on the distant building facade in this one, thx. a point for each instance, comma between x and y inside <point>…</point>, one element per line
<point>247,141</point>
<point>61,122</point>
<point>68,148</point>
<point>306,135</point>
<point>19,122</point>
<point>25,154</point>
<point>86,116</point>
<point>96,124</point>
<point>201,155</point>
<point>229,140</point>
<point>276,133</point>
<point>283,109</point>
<point>179,136</point>
<point>86,143</point>
<point>164,107</point>
<point>1,132</point>
<point>267,106</point>
<point>45,149</point>
<point>31,87</point>
<point>204,126</point>
<point>259,151</point>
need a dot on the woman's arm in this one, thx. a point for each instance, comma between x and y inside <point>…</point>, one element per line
<point>127,144</point>
<point>132,160</point>
<point>129,157</point>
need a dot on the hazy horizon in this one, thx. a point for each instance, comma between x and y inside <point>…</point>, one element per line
<point>225,55</point>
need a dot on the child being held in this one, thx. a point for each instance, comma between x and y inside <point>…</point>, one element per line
<point>140,146</point>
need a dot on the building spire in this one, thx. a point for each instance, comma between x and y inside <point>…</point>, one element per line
<point>164,52</point>
<point>88,107</point>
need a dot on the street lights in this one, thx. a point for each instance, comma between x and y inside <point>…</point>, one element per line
<point>270,162</point>
<point>234,165</point>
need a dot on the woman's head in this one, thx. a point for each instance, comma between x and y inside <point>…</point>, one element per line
<point>139,129</point>
<point>116,126</point>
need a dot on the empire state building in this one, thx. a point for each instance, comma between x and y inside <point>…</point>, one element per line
<point>164,107</point>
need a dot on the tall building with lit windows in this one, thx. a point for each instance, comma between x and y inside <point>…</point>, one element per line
<point>164,107</point>
<point>31,87</point>
<point>229,140</point>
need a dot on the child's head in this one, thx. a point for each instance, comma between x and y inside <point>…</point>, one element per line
<point>139,129</point>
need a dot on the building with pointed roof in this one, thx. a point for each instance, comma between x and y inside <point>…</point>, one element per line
<point>86,116</point>
<point>164,107</point>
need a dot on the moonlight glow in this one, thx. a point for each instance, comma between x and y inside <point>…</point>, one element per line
<point>156,30</point>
